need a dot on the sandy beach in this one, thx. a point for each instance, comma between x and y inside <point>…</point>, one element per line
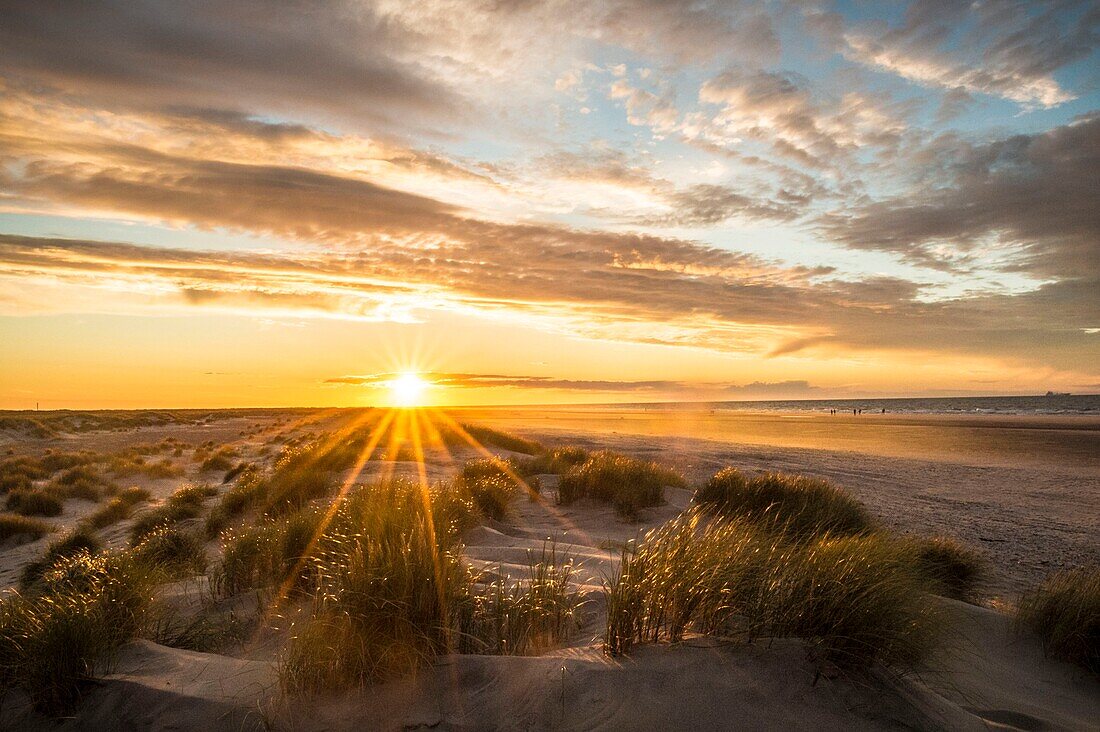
<point>1023,491</point>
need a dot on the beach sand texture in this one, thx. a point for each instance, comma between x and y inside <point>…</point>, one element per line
<point>1026,491</point>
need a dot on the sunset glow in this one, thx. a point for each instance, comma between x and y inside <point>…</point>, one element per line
<point>643,202</point>
<point>408,390</point>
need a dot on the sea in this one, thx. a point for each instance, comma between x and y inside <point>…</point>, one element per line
<point>1007,405</point>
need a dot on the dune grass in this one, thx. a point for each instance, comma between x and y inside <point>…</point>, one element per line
<point>390,592</point>
<point>303,474</point>
<point>34,502</point>
<point>246,494</point>
<point>14,526</point>
<point>857,599</point>
<point>185,503</point>
<point>489,483</point>
<point>220,461</point>
<point>626,483</point>
<point>524,617</point>
<point>388,585</point>
<point>235,472</point>
<point>21,472</point>
<point>948,567</point>
<point>555,460</point>
<point>799,507</point>
<point>207,632</point>
<point>80,482</point>
<point>133,463</point>
<point>1065,613</point>
<point>264,554</point>
<point>57,637</point>
<point>505,440</point>
<point>168,549</point>
<point>118,508</point>
<point>80,539</point>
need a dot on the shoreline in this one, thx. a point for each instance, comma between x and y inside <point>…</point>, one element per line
<point>1069,443</point>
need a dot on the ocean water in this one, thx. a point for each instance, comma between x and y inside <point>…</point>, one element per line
<point>1008,405</point>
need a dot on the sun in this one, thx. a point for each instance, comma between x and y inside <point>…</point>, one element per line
<point>407,390</point>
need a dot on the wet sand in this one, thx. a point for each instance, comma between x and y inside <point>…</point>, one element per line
<point>1070,442</point>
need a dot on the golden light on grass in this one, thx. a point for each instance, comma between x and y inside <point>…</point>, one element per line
<point>407,390</point>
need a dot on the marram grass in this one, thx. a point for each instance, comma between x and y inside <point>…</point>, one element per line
<point>61,634</point>
<point>626,483</point>
<point>857,599</point>
<point>800,507</point>
<point>390,592</point>
<point>1065,613</point>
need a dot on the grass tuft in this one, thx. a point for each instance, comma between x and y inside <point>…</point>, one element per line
<point>488,483</point>
<point>79,540</point>
<point>185,503</point>
<point>1065,613</point>
<point>388,586</point>
<point>525,617</point>
<point>505,440</point>
<point>167,549</point>
<point>21,529</point>
<point>302,475</point>
<point>265,553</point>
<point>118,508</point>
<point>219,462</point>
<point>555,460</point>
<point>34,502</point>
<point>626,483</point>
<point>949,567</point>
<point>800,507</point>
<point>55,639</point>
<point>246,494</point>
<point>858,600</point>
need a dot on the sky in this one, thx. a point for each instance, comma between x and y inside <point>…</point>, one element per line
<point>242,203</point>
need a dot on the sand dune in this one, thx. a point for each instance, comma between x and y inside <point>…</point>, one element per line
<point>987,677</point>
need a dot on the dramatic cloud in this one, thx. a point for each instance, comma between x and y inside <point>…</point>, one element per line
<point>1007,48</point>
<point>1028,201</point>
<point>345,62</point>
<point>739,307</point>
<point>780,110</point>
<point>632,171</point>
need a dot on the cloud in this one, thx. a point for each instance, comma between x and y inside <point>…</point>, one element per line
<point>345,63</point>
<point>481,381</point>
<point>1026,201</point>
<point>1005,48</point>
<point>644,108</point>
<point>780,110</point>
<point>682,388</point>
<point>339,138</point>
<point>695,206</point>
<point>773,388</point>
<point>570,281</point>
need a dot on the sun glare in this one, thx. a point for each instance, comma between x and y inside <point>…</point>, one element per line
<point>407,390</point>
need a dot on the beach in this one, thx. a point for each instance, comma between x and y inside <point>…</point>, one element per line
<point>1024,491</point>
<point>1023,488</point>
